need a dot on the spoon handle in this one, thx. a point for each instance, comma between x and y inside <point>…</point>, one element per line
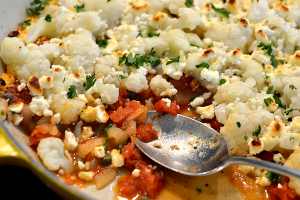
<point>266,165</point>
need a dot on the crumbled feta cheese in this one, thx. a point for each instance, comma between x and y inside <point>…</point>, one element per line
<point>136,172</point>
<point>70,141</point>
<point>99,152</point>
<point>87,176</point>
<point>117,159</point>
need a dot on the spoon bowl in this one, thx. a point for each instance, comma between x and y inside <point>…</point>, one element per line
<point>190,147</point>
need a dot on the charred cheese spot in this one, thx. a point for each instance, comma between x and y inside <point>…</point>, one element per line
<point>34,86</point>
<point>57,70</point>
<point>277,126</point>
<point>2,82</point>
<point>236,52</point>
<point>244,22</point>
<point>76,75</point>
<point>157,16</point>
<point>49,78</point>
<point>194,84</point>
<point>266,22</point>
<point>139,8</point>
<point>208,51</point>
<point>231,2</point>
<point>232,5</point>
<point>281,6</point>
<point>41,40</point>
<point>13,34</point>
<point>261,33</point>
<point>256,142</point>
<point>297,55</point>
<point>294,69</point>
<point>208,6</point>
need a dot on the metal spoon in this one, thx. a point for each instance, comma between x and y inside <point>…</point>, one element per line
<point>189,147</point>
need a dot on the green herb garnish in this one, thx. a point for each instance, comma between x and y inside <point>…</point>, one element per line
<point>139,60</point>
<point>192,99</point>
<point>37,6</point>
<point>172,60</point>
<point>106,128</point>
<point>222,11</point>
<point>102,43</point>
<point>79,8</point>
<point>292,87</point>
<point>273,176</point>
<point>246,137</point>
<point>189,3</point>
<point>270,89</point>
<point>25,23</point>
<point>72,92</point>
<point>257,131</point>
<point>48,18</point>
<point>194,45</point>
<point>203,65</point>
<point>278,101</point>
<point>268,101</point>
<point>90,81</point>
<point>122,76</point>
<point>238,124</point>
<point>287,112</point>
<point>222,81</point>
<point>198,190</point>
<point>122,145</point>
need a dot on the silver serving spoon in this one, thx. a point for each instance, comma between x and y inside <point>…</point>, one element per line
<point>189,147</point>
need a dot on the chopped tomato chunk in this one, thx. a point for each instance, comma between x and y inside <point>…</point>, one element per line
<point>145,132</point>
<point>282,193</point>
<point>43,131</point>
<point>149,181</point>
<point>162,106</point>
<point>121,114</point>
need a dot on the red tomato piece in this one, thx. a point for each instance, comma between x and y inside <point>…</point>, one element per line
<point>162,106</point>
<point>121,114</point>
<point>43,131</point>
<point>145,132</point>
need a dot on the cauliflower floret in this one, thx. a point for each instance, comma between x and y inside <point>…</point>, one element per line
<point>161,87</point>
<point>229,92</point>
<point>13,51</point>
<point>69,109</point>
<point>188,18</point>
<point>36,64</point>
<point>293,161</point>
<point>82,51</point>
<point>136,82</point>
<point>178,41</point>
<point>109,93</point>
<point>51,151</point>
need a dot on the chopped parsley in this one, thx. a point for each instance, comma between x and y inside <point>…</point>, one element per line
<point>267,47</point>
<point>291,138</point>
<point>240,75</point>
<point>122,145</point>
<point>151,32</point>
<point>192,99</point>
<point>222,81</point>
<point>102,43</point>
<point>268,101</point>
<point>189,3</point>
<point>278,101</point>
<point>172,60</point>
<point>122,76</point>
<point>105,129</point>
<point>270,89</point>
<point>238,124</point>
<point>25,23</point>
<point>287,112</point>
<point>274,61</point>
<point>72,92</point>
<point>203,65</point>
<point>79,8</point>
<point>222,11</point>
<point>37,6</point>
<point>267,77</point>
<point>105,142</point>
<point>246,137</point>
<point>292,87</point>
<point>194,45</point>
<point>198,190</point>
<point>257,131</point>
<point>273,176</point>
<point>108,1</point>
<point>48,18</point>
<point>64,80</point>
<point>263,65</point>
<point>139,60</point>
<point>90,81</point>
